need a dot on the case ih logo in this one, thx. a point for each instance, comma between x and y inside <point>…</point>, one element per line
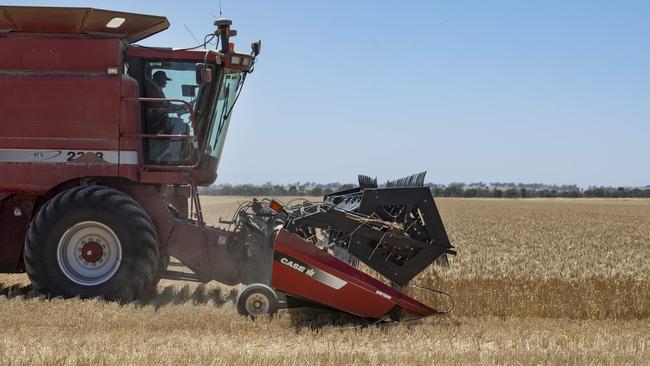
<point>297,266</point>
<point>315,273</point>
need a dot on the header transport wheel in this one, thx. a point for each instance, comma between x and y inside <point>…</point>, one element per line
<point>257,300</point>
<point>92,241</point>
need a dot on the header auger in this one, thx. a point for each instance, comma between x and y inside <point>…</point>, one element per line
<point>104,143</point>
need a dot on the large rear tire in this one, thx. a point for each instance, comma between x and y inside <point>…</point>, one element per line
<point>92,241</point>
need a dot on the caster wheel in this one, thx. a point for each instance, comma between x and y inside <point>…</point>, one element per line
<point>257,300</point>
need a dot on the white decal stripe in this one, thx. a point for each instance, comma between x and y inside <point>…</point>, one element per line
<point>129,157</point>
<point>383,294</point>
<point>65,156</point>
<point>335,282</point>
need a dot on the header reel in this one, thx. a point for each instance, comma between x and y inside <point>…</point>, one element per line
<point>396,230</point>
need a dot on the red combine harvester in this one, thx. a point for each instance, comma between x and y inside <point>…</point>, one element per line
<point>104,142</point>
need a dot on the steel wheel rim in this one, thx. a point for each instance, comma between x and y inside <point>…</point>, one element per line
<point>89,253</point>
<point>257,304</point>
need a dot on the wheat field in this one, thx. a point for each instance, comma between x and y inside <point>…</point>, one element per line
<point>548,281</point>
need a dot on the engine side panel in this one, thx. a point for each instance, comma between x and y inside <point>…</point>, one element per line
<point>63,113</point>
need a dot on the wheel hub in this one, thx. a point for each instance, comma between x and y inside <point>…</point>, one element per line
<point>89,253</point>
<point>92,252</point>
<point>257,304</point>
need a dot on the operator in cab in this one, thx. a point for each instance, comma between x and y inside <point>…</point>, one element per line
<point>155,89</point>
<point>159,121</point>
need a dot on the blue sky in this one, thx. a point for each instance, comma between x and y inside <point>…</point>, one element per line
<point>521,91</point>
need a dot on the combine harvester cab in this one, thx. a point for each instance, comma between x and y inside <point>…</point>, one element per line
<point>394,230</point>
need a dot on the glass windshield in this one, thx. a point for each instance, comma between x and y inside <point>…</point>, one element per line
<point>227,98</point>
<point>174,80</point>
<point>211,104</point>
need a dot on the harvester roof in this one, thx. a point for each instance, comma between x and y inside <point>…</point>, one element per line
<point>96,23</point>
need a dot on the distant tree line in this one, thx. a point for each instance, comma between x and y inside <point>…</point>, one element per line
<point>486,190</point>
<point>274,190</point>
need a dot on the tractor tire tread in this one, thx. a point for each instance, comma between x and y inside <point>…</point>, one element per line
<point>140,271</point>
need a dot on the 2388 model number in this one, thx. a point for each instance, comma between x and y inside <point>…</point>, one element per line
<point>77,154</point>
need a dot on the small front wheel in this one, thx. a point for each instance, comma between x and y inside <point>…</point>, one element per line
<point>257,300</point>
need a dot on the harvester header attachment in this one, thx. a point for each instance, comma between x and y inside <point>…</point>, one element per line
<point>395,230</point>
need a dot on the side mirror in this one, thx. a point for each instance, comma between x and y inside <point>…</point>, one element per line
<point>203,74</point>
<point>189,90</point>
<point>256,47</point>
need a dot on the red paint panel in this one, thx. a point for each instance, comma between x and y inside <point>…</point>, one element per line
<point>130,123</point>
<point>130,172</point>
<point>197,55</point>
<point>58,54</point>
<point>130,117</point>
<point>40,178</point>
<point>359,296</point>
<point>350,298</point>
<point>80,22</point>
<point>56,143</point>
<point>66,108</point>
<point>149,177</point>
